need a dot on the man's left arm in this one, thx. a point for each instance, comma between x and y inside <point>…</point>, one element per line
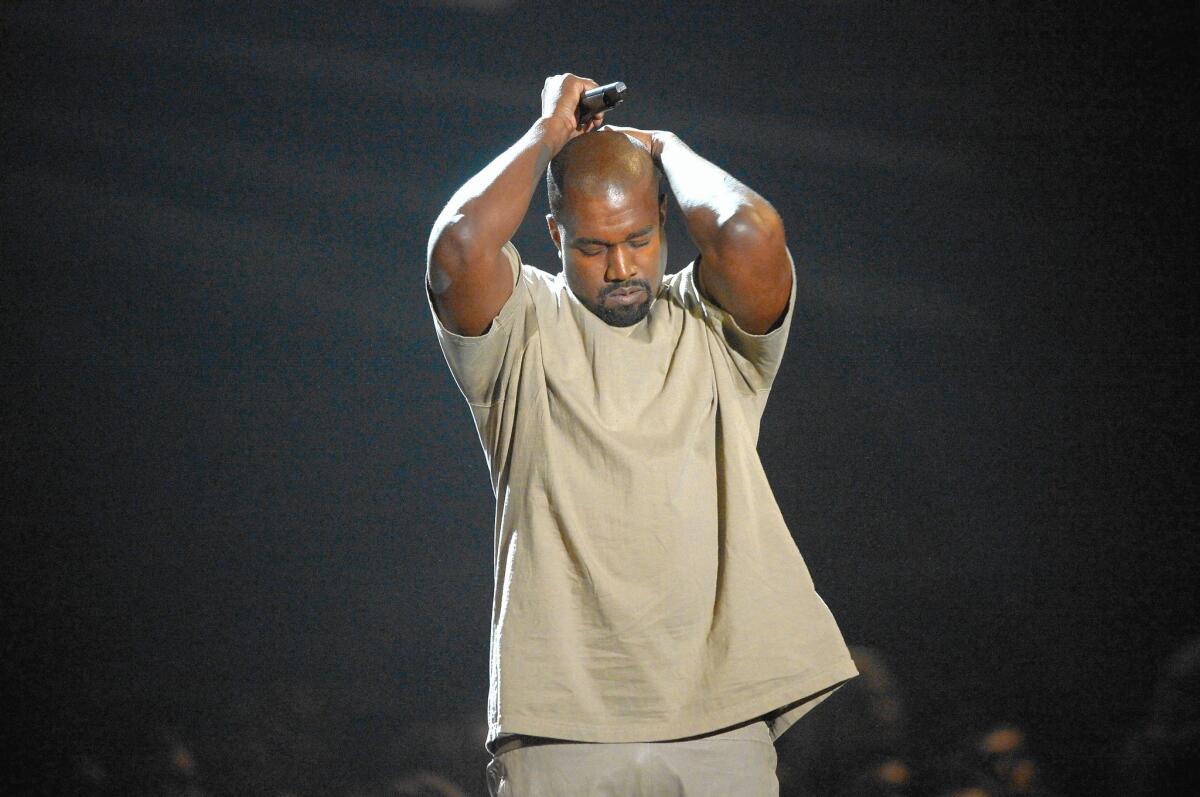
<point>744,263</point>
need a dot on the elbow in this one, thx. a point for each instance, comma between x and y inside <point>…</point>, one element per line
<point>453,246</point>
<point>451,237</point>
<point>754,228</point>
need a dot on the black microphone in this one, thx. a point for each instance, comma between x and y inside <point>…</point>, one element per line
<point>600,100</point>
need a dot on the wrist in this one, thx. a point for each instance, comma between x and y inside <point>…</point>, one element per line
<point>662,140</point>
<point>555,130</point>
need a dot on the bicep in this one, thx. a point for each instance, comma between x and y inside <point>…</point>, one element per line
<point>748,273</point>
<point>468,289</point>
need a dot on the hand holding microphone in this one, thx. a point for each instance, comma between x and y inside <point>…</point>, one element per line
<point>600,100</point>
<point>579,100</point>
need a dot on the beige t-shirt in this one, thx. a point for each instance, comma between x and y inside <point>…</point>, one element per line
<point>646,585</point>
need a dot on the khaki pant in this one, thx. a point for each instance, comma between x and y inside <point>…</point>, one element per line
<point>739,762</point>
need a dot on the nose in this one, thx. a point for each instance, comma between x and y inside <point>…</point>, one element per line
<point>619,266</point>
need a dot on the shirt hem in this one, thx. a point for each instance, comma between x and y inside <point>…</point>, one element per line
<point>627,731</point>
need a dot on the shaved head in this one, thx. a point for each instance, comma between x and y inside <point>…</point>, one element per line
<point>606,220</point>
<point>603,162</point>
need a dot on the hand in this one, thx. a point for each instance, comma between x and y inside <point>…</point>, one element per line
<point>652,140</point>
<point>560,98</point>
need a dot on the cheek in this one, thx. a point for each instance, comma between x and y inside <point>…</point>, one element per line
<point>580,278</point>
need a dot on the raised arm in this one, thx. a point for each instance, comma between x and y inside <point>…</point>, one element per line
<point>468,277</point>
<point>744,263</point>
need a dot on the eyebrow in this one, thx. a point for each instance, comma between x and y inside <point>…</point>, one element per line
<point>598,242</point>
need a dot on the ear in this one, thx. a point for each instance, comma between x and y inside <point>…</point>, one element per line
<point>662,210</point>
<point>552,225</point>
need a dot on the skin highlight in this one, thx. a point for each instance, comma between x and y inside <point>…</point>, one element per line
<point>743,265</point>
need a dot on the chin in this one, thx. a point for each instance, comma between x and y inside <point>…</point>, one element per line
<point>622,316</point>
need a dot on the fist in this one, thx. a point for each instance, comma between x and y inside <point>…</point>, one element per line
<point>560,97</point>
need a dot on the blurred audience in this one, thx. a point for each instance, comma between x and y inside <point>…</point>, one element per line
<point>863,723</point>
<point>1163,756</point>
<point>296,740</point>
<point>889,777</point>
<point>1003,754</point>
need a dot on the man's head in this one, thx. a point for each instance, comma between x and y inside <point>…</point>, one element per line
<point>606,218</point>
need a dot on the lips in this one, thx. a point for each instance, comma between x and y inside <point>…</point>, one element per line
<point>625,295</point>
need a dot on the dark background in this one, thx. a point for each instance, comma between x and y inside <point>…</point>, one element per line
<point>234,457</point>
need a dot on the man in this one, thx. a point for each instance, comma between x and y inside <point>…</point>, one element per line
<point>654,627</point>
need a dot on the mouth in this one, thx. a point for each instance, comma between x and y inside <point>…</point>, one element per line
<point>631,293</point>
<point>626,295</point>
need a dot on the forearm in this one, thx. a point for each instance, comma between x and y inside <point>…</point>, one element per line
<point>719,210</point>
<point>487,210</point>
<point>744,263</point>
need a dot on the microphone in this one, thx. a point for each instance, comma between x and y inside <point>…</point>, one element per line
<point>600,100</point>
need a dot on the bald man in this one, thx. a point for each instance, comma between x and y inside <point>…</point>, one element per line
<point>654,627</point>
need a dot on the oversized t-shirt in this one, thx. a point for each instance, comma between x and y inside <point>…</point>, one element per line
<point>646,585</point>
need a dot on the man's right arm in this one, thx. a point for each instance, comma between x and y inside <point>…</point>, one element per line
<point>468,276</point>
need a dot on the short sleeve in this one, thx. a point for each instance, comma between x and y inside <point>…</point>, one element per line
<point>479,362</point>
<point>756,357</point>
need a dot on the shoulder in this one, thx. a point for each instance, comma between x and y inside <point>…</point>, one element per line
<point>682,289</point>
<point>538,281</point>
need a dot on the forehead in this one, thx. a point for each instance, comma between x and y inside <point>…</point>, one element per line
<point>611,208</point>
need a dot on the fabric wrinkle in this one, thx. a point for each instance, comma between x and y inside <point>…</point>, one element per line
<point>648,587</point>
